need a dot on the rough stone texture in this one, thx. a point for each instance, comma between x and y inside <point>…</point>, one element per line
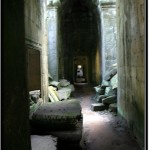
<point>55,84</point>
<point>64,82</point>
<point>100,97</point>
<point>34,107</point>
<point>114,81</point>
<point>98,107</point>
<point>109,55</point>
<point>52,29</point>
<point>15,105</point>
<point>70,135</point>
<point>46,142</point>
<point>34,95</point>
<point>97,88</point>
<point>113,107</point>
<point>109,99</point>
<point>36,45</point>
<point>130,50</point>
<point>64,93</point>
<point>110,74</point>
<point>62,115</point>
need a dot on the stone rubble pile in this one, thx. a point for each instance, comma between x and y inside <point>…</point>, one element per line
<point>61,117</point>
<point>59,91</point>
<point>35,101</point>
<point>106,93</point>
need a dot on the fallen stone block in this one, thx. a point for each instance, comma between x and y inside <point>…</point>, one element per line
<point>71,86</point>
<point>110,74</point>
<point>64,93</point>
<point>53,95</point>
<point>110,100</point>
<point>105,84</point>
<point>107,90</point>
<point>114,81</point>
<point>55,84</point>
<point>112,92</point>
<point>99,90</point>
<point>69,135</point>
<point>100,97</point>
<point>64,82</point>
<point>113,107</point>
<point>62,115</point>
<point>34,107</point>
<point>34,95</point>
<point>98,107</point>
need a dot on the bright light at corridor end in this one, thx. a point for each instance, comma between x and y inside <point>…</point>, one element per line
<point>79,66</point>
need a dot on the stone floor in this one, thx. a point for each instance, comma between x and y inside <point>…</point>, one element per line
<point>102,130</point>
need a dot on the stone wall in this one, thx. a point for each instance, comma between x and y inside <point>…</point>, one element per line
<point>130,41</point>
<point>36,40</point>
<point>109,56</point>
<point>15,104</point>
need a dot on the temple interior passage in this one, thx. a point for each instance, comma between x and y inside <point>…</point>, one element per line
<point>73,75</point>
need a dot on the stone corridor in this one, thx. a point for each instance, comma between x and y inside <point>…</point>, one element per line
<point>102,130</point>
<point>50,40</point>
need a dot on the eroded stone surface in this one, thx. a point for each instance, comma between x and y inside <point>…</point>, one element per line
<point>98,107</point>
<point>46,142</point>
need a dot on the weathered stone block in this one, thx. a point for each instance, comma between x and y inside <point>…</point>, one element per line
<point>100,97</point>
<point>71,86</point>
<point>64,82</point>
<point>34,95</point>
<point>98,107</point>
<point>70,135</point>
<point>107,90</point>
<point>114,81</point>
<point>55,84</point>
<point>97,88</point>
<point>113,107</point>
<point>43,142</point>
<point>112,92</point>
<point>64,93</point>
<point>110,74</point>
<point>53,94</point>
<point>62,115</point>
<point>110,100</point>
<point>105,83</point>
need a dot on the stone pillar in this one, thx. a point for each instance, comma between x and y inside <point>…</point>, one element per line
<point>109,55</point>
<point>52,42</point>
<point>44,56</point>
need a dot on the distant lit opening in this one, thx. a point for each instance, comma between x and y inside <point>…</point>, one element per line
<point>79,66</point>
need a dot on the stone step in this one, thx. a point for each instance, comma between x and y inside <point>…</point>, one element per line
<point>109,100</point>
<point>98,107</point>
